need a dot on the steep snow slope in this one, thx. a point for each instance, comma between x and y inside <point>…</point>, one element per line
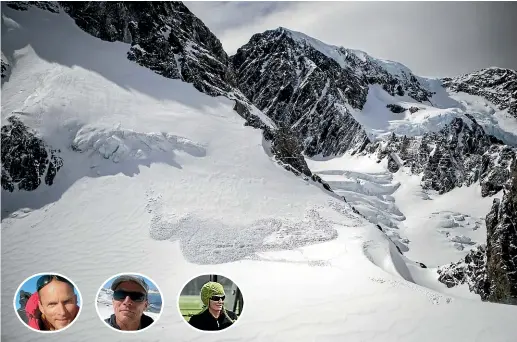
<point>160,179</point>
<point>441,228</point>
<point>379,121</point>
<point>428,228</point>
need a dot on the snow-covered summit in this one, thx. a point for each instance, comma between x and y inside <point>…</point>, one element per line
<point>340,54</point>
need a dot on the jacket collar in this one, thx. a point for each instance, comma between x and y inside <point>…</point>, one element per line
<point>145,321</point>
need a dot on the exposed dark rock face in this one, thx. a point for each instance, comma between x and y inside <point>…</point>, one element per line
<point>24,298</point>
<point>491,271</point>
<point>299,87</point>
<point>26,159</point>
<point>287,149</point>
<point>6,69</point>
<point>497,85</point>
<point>501,255</point>
<point>24,5</point>
<point>395,108</point>
<point>164,36</point>
<point>460,154</point>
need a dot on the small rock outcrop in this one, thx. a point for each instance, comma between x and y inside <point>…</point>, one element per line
<point>26,160</point>
<point>395,108</point>
<point>413,110</point>
<point>471,271</point>
<point>6,70</point>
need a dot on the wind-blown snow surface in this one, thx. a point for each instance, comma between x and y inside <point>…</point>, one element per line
<point>162,180</point>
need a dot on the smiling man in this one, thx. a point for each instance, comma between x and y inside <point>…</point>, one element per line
<point>130,300</point>
<point>214,316</point>
<point>57,304</point>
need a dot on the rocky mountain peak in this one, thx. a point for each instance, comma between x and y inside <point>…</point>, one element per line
<point>302,89</point>
<point>313,86</point>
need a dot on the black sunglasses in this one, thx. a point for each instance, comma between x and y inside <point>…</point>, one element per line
<point>44,280</point>
<point>216,298</point>
<point>120,295</point>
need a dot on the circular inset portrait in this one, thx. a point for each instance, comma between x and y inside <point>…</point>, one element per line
<point>210,302</point>
<point>129,302</point>
<point>47,302</point>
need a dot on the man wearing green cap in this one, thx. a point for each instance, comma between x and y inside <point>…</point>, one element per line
<point>213,316</point>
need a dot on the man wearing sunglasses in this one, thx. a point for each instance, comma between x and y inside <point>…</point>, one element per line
<point>54,304</point>
<point>214,316</point>
<point>130,300</point>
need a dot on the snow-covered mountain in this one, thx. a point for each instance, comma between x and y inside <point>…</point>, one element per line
<point>453,132</point>
<point>330,96</point>
<point>127,146</point>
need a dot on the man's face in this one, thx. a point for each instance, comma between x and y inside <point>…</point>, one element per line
<point>216,305</point>
<point>58,303</point>
<point>127,310</point>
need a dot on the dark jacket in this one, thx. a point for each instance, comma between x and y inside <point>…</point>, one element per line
<point>145,321</point>
<point>24,298</point>
<point>205,320</point>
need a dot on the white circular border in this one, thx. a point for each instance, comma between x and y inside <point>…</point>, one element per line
<point>129,331</point>
<point>48,331</point>
<point>206,331</point>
